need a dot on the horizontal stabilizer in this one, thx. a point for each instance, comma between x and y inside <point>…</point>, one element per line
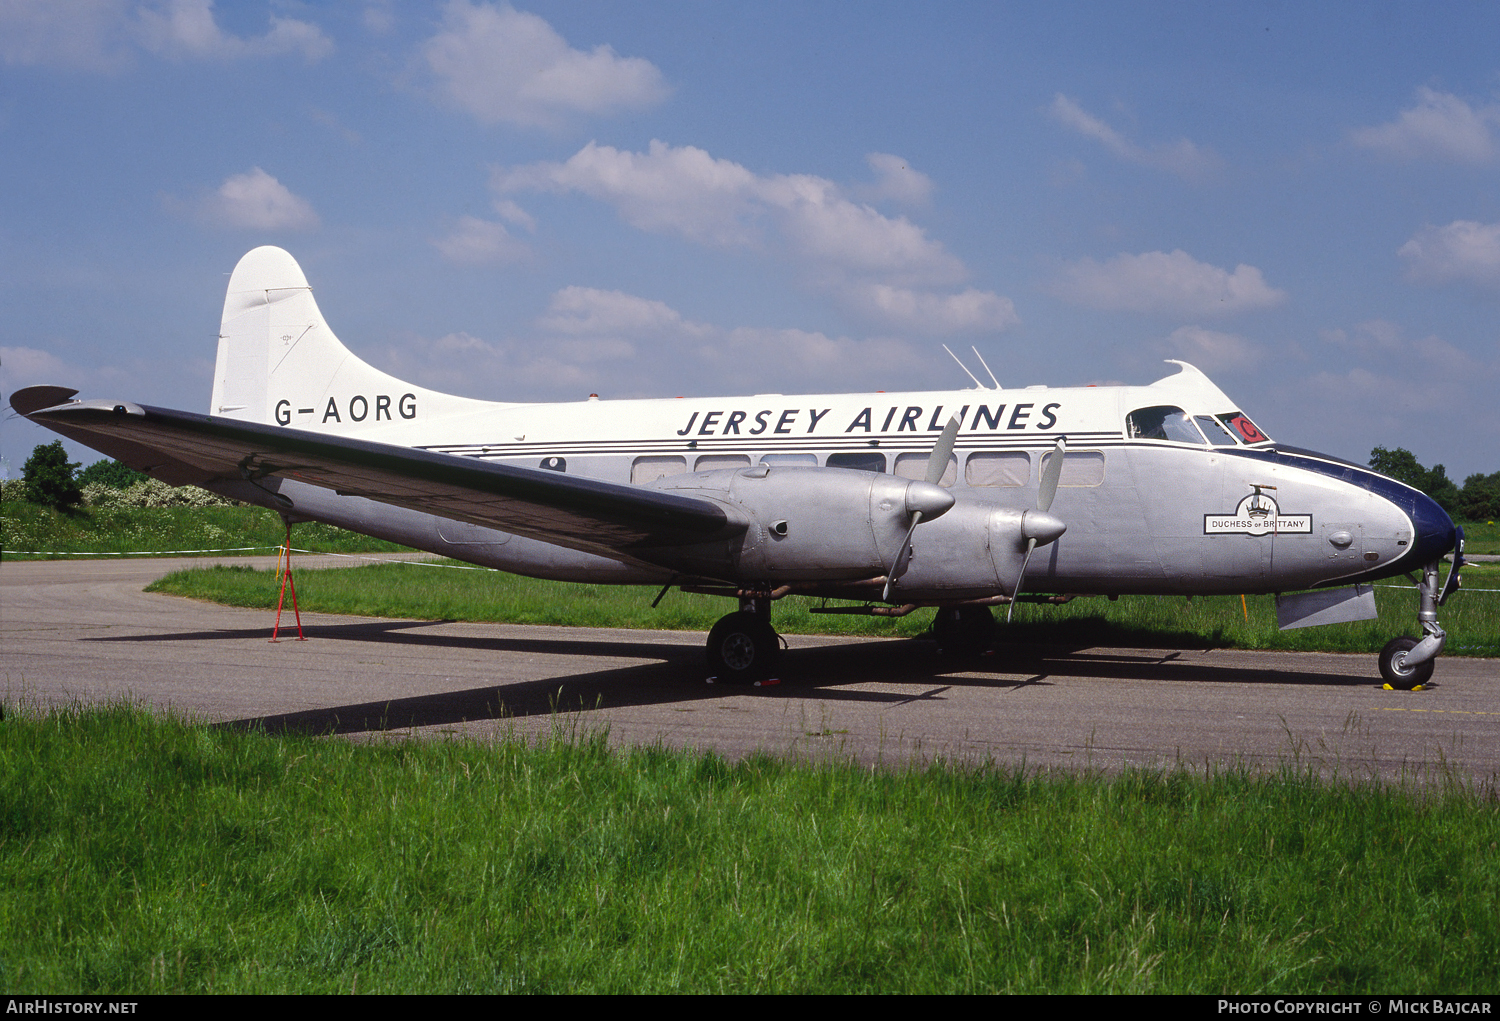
<point>35,398</point>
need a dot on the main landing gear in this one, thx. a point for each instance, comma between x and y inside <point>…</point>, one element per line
<point>963,631</point>
<point>1406,663</point>
<point>743,648</point>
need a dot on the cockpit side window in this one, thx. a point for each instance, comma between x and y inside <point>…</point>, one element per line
<point>1162,422</point>
<point>1243,427</point>
<point>1217,434</point>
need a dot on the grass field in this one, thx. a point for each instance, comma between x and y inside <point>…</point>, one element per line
<point>112,530</point>
<point>1472,619</point>
<point>1481,537</point>
<point>145,855</point>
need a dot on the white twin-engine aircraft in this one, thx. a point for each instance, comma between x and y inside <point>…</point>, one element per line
<point>889,501</point>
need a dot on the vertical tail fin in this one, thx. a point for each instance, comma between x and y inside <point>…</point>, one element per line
<point>278,361</point>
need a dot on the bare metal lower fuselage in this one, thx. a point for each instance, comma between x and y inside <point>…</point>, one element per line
<point>1148,527</point>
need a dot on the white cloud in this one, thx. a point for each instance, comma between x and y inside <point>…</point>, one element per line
<point>512,213</point>
<point>1380,343</point>
<point>103,35</point>
<point>28,366</point>
<point>1440,126</point>
<point>971,311</point>
<point>682,191</point>
<point>88,35</point>
<point>255,200</point>
<point>1182,157</point>
<point>580,311</point>
<point>474,241</point>
<point>1210,350</point>
<point>1165,282</point>
<point>758,358</point>
<point>1464,251</point>
<point>1371,384</point>
<point>622,345</point>
<point>595,325</point>
<point>687,192</point>
<point>895,181</point>
<point>93,372</point>
<point>186,28</point>
<point>883,266</point>
<point>379,16</point>
<point>1371,338</point>
<point>1395,386</point>
<point>500,64</point>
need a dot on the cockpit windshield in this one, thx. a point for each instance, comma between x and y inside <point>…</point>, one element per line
<point>1242,427</point>
<point>1218,434</point>
<point>1167,422</point>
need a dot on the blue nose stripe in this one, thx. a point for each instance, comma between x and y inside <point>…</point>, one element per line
<point>1435,532</point>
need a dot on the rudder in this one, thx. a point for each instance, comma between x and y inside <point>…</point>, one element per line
<point>278,361</point>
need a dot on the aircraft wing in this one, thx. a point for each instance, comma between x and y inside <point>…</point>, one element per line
<point>183,448</point>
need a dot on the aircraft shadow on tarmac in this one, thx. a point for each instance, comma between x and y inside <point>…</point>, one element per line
<point>824,673</point>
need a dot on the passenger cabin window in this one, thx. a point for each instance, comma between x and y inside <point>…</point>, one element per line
<point>719,462</point>
<point>800,460</point>
<point>649,469</point>
<point>998,468</point>
<point>859,460</point>
<point>1162,423</point>
<point>914,466</point>
<point>1080,467</point>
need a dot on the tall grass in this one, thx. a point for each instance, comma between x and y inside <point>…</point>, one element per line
<point>140,854</point>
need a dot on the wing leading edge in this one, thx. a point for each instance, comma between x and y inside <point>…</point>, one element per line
<point>183,448</point>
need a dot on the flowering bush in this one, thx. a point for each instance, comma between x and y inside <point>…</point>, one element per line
<point>153,493</point>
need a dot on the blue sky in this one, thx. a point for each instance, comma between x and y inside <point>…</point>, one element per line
<point>690,198</point>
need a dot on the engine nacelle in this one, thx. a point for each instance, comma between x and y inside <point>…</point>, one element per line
<point>806,524</point>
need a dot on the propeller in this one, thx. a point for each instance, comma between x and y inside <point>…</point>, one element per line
<point>1039,527</point>
<point>925,500</point>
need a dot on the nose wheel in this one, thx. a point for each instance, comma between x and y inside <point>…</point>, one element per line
<point>742,648</point>
<point>1395,670</point>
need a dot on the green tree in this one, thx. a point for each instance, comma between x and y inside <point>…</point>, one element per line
<point>49,477</point>
<point>1402,465</point>
<point>111,473</point>
<point>1480,499</point>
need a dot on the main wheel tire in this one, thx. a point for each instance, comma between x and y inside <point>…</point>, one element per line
<point>742,649</point>
<point>1394,669</point>
<point>963,630</point>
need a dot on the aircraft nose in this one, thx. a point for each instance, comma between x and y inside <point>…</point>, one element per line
<point>1435,532</point>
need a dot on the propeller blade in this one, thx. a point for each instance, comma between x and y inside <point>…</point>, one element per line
<point>937,461</point>
<point>1050,475</point>
<point>1041,525</point>
<point>1016,593</point>
<point>890,576</point>
<point>923,499</point>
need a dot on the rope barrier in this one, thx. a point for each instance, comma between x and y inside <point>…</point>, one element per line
<point>135,553</point>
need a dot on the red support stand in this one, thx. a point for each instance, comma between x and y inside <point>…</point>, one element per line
<point>287,582</point>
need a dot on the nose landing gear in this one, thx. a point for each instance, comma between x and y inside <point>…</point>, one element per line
<point>1407,663</point>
